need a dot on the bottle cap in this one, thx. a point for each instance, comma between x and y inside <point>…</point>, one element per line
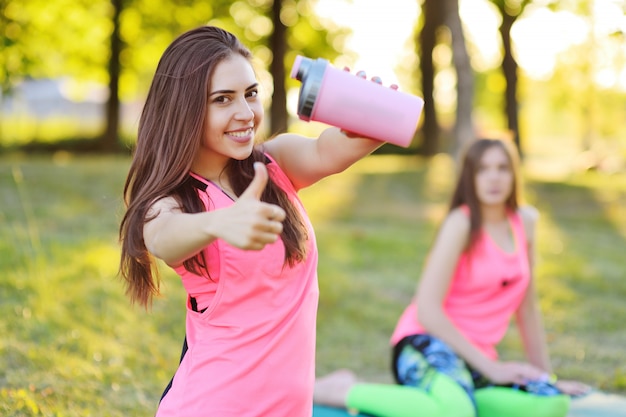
<point>311,74</point>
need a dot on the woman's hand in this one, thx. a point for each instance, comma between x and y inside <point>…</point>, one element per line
<point>573,388</point>
<point>513,373</point>
<point>521,373</point>
<point>251,223</point>
<point>375,79</point>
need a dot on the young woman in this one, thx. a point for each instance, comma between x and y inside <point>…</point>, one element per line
<point>223,212</point>
<point>477,277</point>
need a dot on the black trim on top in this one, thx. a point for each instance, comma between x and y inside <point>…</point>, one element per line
<point>194,305</point>
<point>202,186</point>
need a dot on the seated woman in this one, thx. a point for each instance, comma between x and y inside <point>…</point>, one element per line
<point>478,275</point>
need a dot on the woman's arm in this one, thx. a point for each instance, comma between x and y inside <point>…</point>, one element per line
<point>528,315</point>
<point>307,160</point>
<point>529,319</point>
<point>530,325</point>
<point>174,236</point>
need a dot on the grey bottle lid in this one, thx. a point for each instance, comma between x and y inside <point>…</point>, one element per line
<point>311,74</point>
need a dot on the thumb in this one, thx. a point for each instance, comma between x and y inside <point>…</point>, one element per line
<point>256,187</point>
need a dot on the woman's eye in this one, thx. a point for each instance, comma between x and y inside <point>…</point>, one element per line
<point>252,93</point>
<point>221,99</point>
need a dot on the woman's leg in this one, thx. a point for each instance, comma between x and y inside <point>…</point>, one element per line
<point>542,397</point>
<point>433,380</point>
<point>417,358</point>
<point>445,398</point>
<point>504,401</point>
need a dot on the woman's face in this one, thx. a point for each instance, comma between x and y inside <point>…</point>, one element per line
<point>494,177</point>
<point>234,112</point>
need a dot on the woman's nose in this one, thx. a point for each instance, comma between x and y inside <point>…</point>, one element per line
<point>244,111</point>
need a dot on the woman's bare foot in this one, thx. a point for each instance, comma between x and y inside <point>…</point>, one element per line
<point>332,389</point>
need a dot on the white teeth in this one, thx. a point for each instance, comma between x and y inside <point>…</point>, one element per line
<point>241,134</point>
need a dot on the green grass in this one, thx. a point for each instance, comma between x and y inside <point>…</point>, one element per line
<point>73,346</point>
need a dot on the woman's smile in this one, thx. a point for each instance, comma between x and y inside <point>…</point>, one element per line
<point>242,135</point>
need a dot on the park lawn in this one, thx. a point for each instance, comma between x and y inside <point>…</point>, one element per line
<point>73,346</point>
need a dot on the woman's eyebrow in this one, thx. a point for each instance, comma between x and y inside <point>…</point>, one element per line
<point>232,91</point>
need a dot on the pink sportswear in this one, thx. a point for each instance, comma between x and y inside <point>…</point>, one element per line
<point>487,287</point>
<point>252,352</point>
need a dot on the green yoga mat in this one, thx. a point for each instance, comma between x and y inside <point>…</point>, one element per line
<point>323,411</point>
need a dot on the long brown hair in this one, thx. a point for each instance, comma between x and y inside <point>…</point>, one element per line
<point>171,129</point>
<point>465,191</point>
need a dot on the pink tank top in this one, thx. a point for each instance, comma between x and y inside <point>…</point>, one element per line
<point>252,351</point>
<point>487,287</point>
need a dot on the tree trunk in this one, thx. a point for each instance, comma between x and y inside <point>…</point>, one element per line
<point>427,39</point>
<point>509,69</point>
<point>463,126</point>
<point>278,45</point>
<point>109,141</point>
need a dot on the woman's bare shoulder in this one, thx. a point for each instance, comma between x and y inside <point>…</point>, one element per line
<point>528,213</point>
<point>529,216</point>
<point>456,224</point>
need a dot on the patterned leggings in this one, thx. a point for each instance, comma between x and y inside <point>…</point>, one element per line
<point>419,357</point>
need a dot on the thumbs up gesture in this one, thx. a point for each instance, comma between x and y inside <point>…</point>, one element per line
<point>251,223</point>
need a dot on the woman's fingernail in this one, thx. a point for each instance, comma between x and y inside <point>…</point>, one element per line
<point>360,74</point>
<point>377,80</point>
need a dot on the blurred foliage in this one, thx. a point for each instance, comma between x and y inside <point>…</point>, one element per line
<point>59,38</point>
<point>70,38</point>
<point>42,38</point>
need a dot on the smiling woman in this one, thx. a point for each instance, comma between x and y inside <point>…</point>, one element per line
<point>224,213</point>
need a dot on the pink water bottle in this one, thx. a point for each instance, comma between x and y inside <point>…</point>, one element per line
<point>354,104</point>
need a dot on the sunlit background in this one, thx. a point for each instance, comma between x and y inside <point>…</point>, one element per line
<point>571,56</point>
<point>382,35</point>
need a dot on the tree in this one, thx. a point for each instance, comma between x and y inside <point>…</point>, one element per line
<point>435,15</point>
<point>278,45</point>
<point>463,126</point>
<point>109,140</point>
<point>296,31</point>
<point>510,10</point>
